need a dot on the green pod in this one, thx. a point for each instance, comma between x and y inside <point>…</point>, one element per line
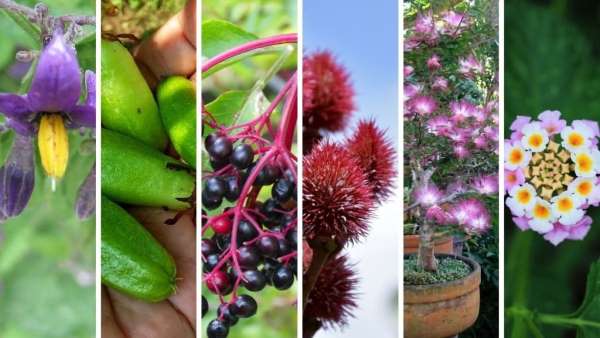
<point>133,261</point>
<point>128,105</point>
<point>135,173</point>
<point>176,97</point>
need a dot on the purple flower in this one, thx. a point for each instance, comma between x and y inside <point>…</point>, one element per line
<point>17,178</point>
<point>486,184</point>
<point>411,90</point>
<point>85,204</point>
<point>433,63</point>
<point>576,232</point>
<point>56,88</point>
<point>517,126</point>
<point>423,105</point>
<point>461,110</point>
<point>551,122</point>
<point>440,84</point>
<point>522,222</point>
<point>428,194</point>
<point>408,70</point>
<point>513,178</point>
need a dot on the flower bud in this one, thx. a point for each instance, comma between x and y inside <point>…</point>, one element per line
<point>17,178</point>
<point>86,197</point>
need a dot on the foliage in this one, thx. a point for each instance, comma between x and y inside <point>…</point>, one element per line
<point>449,269</point>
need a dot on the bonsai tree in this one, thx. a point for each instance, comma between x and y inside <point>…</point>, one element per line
<point>450,122</point>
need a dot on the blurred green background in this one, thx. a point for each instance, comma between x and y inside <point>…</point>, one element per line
<point>551,63</point>
<point>47,256</point>
<point>277,314</point>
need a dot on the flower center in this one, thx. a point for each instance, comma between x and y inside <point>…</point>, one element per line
<point>516,156</point>
<point>549,171</point>
<point>584,162</point>
<point>524,196</point>
<point>576,140</point>
<point>53,143</point>
<point>541,211</point>
<point>585,188</point>
<point>565,204</point>
<point>536,140</point>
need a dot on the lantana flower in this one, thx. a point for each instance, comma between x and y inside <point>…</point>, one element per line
<point>552,175</point>
<point>51,105</point>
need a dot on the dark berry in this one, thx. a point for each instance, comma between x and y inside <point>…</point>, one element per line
<point>282,190</point>
<point>283,278</point>
<point>218,164</point>
<point>254,280</point>
<point>210,202</point>
<point>248,257</point>
<point>269,268</point>
<point>217,329</point>
<point>268,246</point>
<point>214,188</point>
<point>224,314</point>
<point>209,141</point>
<point>246,231</point>
<point>220,148</point>
<point>242,156</point>
<point>293,265</point>
<point>232,188</point>
<point>284,247</point>
<point>267,175</point>
<point>223,242</point>
<point>222,225</point>
<point>244,306</point>
<point>204,306</point>
<point>292,237</point>
<point>218,282</point>
<point>211,262</point>
<point>208,247</point>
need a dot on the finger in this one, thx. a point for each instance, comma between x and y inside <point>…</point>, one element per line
<point>172,49</point>
<point>180,241</point>
<point>149,320</point>
<point>110,327</point>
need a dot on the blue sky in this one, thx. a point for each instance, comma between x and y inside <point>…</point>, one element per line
<point>364,37</point>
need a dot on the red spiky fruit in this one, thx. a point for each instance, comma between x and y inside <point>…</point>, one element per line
<point>333,298</point>
<point>328,96</point>
<point>337,199</point>
<point>376,156</point>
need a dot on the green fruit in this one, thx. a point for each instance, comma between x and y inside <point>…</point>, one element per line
<point>127,102</point>
<point>177,105</point>
<point>135,173</point>
<point>133,261</point>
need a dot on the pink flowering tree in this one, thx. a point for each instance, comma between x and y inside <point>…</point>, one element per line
<point>450,121</point>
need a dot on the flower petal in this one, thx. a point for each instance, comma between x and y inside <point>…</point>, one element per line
<point>56,85</point>
<point>85,115</point>
<point>17,177</point>
<point>21,127</point>
<point>13,105</point>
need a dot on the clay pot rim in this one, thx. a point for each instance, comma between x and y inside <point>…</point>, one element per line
<point>474,275</point>
<point>438,237</point>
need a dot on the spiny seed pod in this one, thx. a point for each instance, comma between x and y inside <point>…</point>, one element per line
<point>17,178</point>
<point>86,197</point>
<point>328,96</point>
<point>337,198</point>
<point>376,156</point>
<point>333,298</point>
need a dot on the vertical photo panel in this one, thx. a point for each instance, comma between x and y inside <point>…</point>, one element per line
<point>249,168</point>
<point>350,207</point>
<point>47,169</point>
<point>148,169</point>
<point>552,169</point>
<point>451,169</point>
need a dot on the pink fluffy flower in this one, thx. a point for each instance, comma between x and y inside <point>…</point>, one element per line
<point>469,66</point>
<point>428,195</point>
<point>423,105</point>
<point>438,215</point>
<point>425,28</point>
<point>454,23</point>
<point>440,83</point>
<point>461,110</point>
<point>486,184</point>
<point>408,70</point>
<point>461,151</point>
<point>433,63</point>
<point>513,178</point>
<point>439,125</point>
<point>411,90</point>
<point>472,214</point>
<point>551,122</point>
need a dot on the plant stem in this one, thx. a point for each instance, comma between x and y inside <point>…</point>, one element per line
<point>323,248</point>
<point>426,258</point>
<point>310,326</point>
<point>561,320</point>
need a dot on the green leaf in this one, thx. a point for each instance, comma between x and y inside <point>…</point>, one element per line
<point>588,314</point>
<point>225,107</point>
<point>86,52</point>
<point>219,36</point>
<point>32,30</point>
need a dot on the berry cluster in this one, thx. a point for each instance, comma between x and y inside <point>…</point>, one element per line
<point>249,236</point>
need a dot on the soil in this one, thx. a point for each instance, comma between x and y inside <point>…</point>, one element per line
<point>449,269</point>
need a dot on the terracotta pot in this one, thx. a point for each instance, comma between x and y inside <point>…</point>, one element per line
<point>443,244</point>
<point>445,309</point>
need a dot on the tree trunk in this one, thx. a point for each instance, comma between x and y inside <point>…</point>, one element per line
<point>426,258</point>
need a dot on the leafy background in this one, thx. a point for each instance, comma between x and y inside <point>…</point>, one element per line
<point>552,51</point>
<point>228,99</point>
<point>47,256</point>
